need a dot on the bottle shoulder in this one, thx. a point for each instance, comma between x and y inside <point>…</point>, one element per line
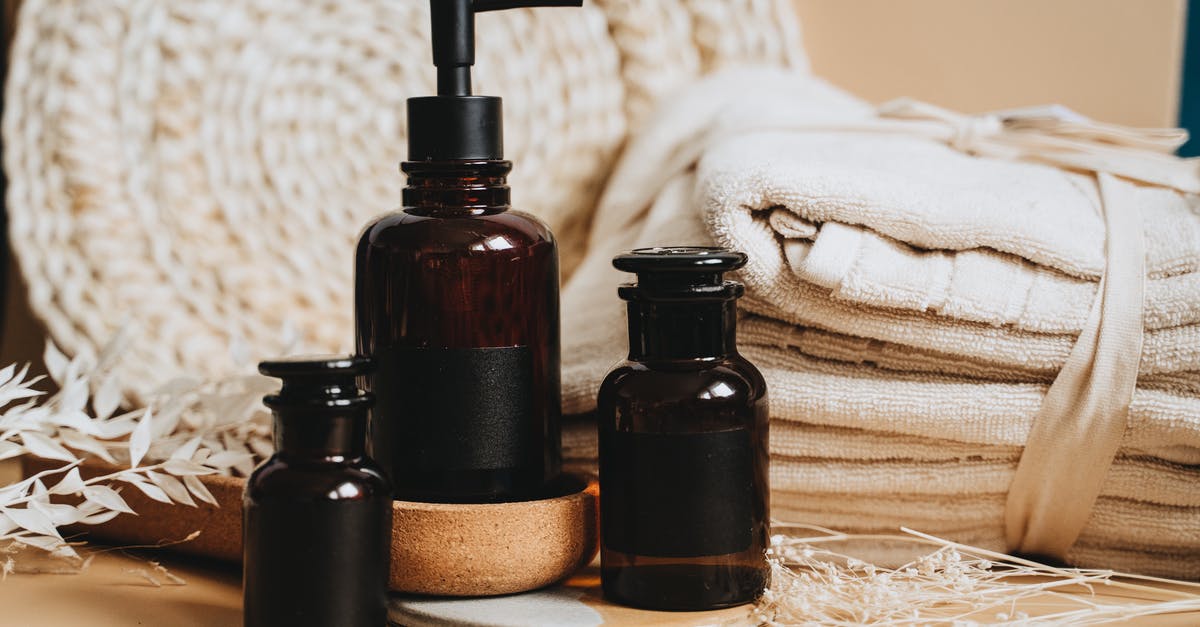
<point>751,372</point>
<point>533,221</point>
<point>729,379</point>
<point>279,478</point>
<point>481,234</point>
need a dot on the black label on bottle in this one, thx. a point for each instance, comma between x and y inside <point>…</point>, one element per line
<point>677,495</point>
<point>459,408</point>
<point>316,563</point>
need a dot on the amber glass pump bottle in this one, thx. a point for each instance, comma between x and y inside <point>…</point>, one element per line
<point>683,441</point>
<point>457,300</point>
<point>317,515</point>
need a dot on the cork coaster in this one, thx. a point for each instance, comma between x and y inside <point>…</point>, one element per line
<point>495,548</point>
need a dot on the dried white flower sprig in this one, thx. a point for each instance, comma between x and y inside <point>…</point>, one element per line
<point>185,430</point>
<point>953,584</point>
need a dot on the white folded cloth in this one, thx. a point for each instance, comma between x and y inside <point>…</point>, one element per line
<point>909,305</point>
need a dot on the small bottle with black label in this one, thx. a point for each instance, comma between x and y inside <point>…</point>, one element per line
<point>317,515</point>
<point>457,300</point>
<point>683,441</point>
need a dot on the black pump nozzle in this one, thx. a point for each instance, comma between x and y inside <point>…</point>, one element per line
<point>453,23</point>
<point>454,125</point>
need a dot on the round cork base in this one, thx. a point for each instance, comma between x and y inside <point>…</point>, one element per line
<point>489,549</point>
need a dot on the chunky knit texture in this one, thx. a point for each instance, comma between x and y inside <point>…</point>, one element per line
<point>200,169</point>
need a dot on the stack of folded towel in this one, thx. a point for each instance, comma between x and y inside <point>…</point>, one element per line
<point>909,304</point>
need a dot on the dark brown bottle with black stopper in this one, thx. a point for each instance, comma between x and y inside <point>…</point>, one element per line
<point>683,441</point>
<point>317,515</point>
<point>457,301</point>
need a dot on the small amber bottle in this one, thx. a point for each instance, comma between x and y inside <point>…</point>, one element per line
<point>683,441</point>
<point>317,515</point>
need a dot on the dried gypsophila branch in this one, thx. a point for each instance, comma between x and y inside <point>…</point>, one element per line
<point>186,430</point>
<point>955,584</point>
<point>225,416</point>
<point>156,571</point>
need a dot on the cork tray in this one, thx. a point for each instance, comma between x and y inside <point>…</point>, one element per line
<point>437,549</point>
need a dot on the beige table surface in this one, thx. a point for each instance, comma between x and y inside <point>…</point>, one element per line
<point>111,593</point>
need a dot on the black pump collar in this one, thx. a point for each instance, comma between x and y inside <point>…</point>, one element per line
<point>455,125</point>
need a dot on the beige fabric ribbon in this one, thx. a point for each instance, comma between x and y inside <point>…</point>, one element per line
<point>1079,427</point>
<point>1056,136</point>
<point>1078,430</point>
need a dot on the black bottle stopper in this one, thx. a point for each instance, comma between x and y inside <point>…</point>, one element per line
<point>320,408</point>
<point>680,273</point>
<point>455,125</point>
<point>317,381</point>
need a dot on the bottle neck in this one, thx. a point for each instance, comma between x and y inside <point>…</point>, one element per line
<point>682,330</point>
<point>445,188</point>
<point>321,434</point>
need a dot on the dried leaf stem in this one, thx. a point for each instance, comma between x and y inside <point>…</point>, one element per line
<point>186,430</point>
<point>953,584</point>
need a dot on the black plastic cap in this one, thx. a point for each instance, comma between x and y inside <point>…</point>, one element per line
<point>455,128</point>
<point>680,273</point>
<point>317,381</point>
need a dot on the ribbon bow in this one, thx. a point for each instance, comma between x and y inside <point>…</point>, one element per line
<point>1057,136</point>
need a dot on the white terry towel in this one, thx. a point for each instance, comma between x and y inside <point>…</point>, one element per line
<point>899,238</point>
<point>907,297</point>
<point>897,258</point>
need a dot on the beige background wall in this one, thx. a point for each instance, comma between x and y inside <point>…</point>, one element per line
<point>1116,60</point>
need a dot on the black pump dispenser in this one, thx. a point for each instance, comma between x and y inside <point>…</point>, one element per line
<point>456,301</point>
<point>456,125</point>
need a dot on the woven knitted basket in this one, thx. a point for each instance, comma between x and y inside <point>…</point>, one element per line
<point>199,169</point>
